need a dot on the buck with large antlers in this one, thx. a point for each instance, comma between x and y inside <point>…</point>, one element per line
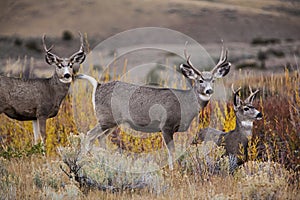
<point>235,141</point>
<point>39,99</point>
<point>150,109</point>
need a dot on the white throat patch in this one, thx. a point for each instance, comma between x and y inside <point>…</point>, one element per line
<point>204,97</point>
<point>65,80</point>
<point>248,124</point>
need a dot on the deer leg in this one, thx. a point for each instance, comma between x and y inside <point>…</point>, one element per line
<point>42,128</point>
<point>169,142</point>
<point>36,131</point>
<point>92,135</point>
<point>104,134</point>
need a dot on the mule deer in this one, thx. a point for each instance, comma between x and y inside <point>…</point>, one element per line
<point>235,141</point>
<point>150,109</point>
<point>39,99</point>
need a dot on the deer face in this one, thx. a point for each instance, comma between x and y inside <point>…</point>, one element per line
<point>244,110</point>
<point>64,71</point>
<point>64,66</point>
<point>204,81</point>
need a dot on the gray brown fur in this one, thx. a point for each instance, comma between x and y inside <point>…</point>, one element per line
<point>150,109</point>
<point>235,141</point>
<point>39,99</point>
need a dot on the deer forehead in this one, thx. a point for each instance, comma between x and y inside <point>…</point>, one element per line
<point>207,76</point>
<point>65,61</point>
<point>248,106</point>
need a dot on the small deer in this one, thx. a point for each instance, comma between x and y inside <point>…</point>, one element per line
<point>235,141</point>
<point>150,109</point>
<point>39,99</point>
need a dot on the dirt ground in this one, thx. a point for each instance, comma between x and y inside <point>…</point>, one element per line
<point>238,23</point>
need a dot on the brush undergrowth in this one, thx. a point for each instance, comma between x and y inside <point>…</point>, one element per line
<point>272,171</point>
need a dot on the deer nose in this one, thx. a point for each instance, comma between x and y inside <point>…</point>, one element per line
<point>67,75</point>
<point>209,91</point>
<point>259,115</point>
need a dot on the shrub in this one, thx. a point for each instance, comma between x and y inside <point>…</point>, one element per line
<point>264,41</point>
<point>18,41</point>
<point>33,46</point>
<point>204,160</point>
<point>276,52</point>
<point>262,180</point>
<point>67,35</point>
<point>7,182</point>
<point>248,64</point>
<point>107,171</point>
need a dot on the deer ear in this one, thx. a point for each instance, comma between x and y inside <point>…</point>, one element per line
<point>51,58</point>
<point>78,57</point>
<point>236,101</point>
<point>222,70</point>
<point>188,72</point>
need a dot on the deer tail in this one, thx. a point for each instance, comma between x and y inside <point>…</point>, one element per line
<point>93,82</point>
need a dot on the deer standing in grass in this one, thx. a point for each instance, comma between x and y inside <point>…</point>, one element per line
<point>150,109</point>
<point>39,99</point>
<point>235,141</point>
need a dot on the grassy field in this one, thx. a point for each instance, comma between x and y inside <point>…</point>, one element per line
<point>272,171</point>
<point>262,36</point>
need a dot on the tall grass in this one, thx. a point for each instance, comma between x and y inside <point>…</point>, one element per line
<point>271,172</point>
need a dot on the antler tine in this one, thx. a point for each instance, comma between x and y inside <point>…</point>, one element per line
<point>44,44</point>
<point>81,41</point>
<point>188,60</point>
<point>81,49</point>
<point>250,89</point>
<point>222,59</point>
<point>235,91</point>
<point>223,56</point>
<point>250,97</point>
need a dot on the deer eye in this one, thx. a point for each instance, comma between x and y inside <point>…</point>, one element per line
<point>201,81</point>
<point>70,65</point>
<point>246,109</point>
<point>59,65</point>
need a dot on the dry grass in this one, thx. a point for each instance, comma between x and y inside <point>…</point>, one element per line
<point>271,173</point>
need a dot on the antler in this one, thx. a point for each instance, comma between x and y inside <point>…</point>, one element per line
<point>235,91</point>
<point>50,57</point>
<point>81,41</point>
<point>81,49</point>
<point>44,45</point>
<point>251,96</point>
<point>222,59</point>
<point>188,60</point>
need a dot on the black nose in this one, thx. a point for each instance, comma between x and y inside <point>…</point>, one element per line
<point>67,75</point>
<point>210,91</point>
<point>259,115</point>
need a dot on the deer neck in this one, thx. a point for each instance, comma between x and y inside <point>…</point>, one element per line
<point>201,102</point>
<point>61,89</point>
<point>189,105</point>
<point>244,127</point>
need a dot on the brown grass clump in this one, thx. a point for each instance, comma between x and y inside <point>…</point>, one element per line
<point>263,180</point>
<point>272,171</point>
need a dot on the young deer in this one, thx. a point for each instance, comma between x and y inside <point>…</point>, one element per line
<point>235,141</point>
<point>150,109</point>
<point>39,99</point>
